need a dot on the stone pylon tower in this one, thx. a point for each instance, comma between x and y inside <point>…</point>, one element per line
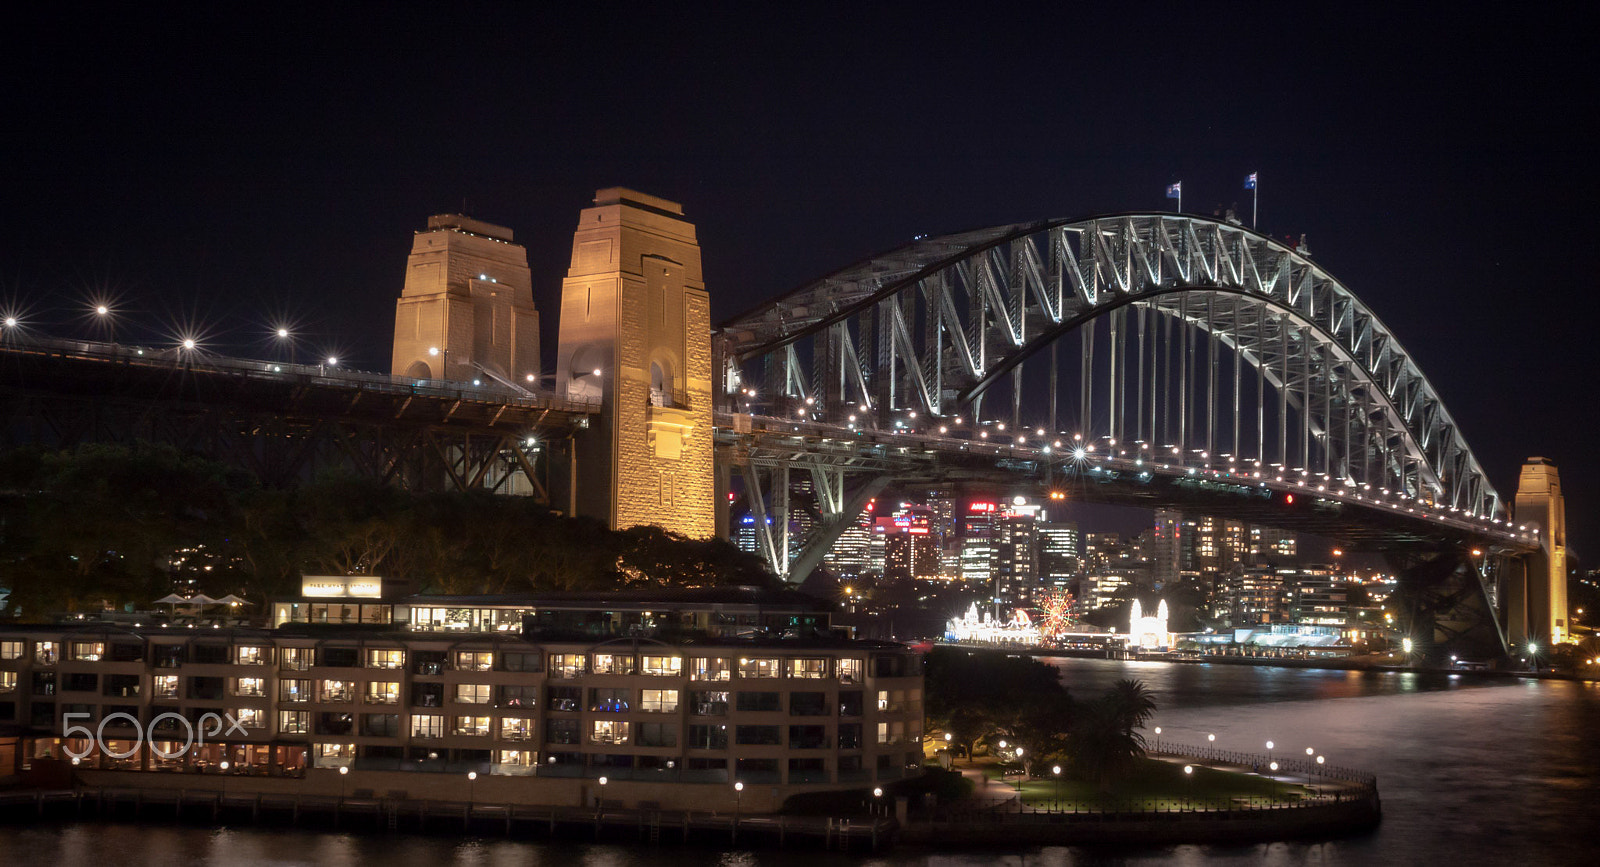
<point>636,335</point>
<point>1537,605</point>
<point>467,308</point>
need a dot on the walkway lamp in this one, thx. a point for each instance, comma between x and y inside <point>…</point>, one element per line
<point>1269,751</point>
<point>1274,767</point>
<point>344,771</point>
<point>877,799</point>
<point>1056,771</point>
<point>1022,772</point>
<point>472,778</point>
<point>1158,739</point>
<point>1188,776</point>
<point>738,794</point>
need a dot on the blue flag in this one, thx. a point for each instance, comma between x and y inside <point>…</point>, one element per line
<point>1250,181</point>
<point>1175,191</point>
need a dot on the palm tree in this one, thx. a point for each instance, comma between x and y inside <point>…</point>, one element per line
<point>1130,700</point>
<point>1101,749</point>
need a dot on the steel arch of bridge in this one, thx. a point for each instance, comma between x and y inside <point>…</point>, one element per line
<point>942,325</point>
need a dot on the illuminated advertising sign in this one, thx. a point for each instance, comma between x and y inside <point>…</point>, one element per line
<point>342,586</point>
<point>982,507</point>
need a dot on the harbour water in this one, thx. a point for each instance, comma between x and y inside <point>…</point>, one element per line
<point>1473,770</point>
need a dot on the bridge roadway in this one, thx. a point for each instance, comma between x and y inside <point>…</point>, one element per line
<point>66,392</point>
<point>279,420</point>
<point>1354,516</point>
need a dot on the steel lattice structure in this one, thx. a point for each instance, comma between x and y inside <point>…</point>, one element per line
<point>1193,347</point>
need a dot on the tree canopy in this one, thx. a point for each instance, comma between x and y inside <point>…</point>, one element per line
<point>110,525</point>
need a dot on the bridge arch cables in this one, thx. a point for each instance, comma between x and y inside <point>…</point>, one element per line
<point>1180,338</point>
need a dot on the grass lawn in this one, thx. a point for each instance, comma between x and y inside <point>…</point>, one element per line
<point>1152,785</point>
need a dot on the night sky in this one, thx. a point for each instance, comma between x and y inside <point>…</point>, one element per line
<point>228,172</point>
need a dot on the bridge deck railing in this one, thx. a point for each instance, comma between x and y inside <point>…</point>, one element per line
<point>281,371</point>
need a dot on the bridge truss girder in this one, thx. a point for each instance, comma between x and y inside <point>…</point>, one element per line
<point>1175,304</point>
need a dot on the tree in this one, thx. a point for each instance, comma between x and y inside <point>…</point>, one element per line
<point>977,695</point>
<point>1130,700</point>
<point>1102,744</point>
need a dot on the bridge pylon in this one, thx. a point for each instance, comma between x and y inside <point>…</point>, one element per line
<point>635,333</point>
<point>1536,603</point>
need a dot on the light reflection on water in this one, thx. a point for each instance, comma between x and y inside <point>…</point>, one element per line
<point>1473,770</point>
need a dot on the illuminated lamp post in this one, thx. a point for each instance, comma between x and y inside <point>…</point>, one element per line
<point>344,771</point>
<point>877,799</point>
<point>472,779</point>
<point>1158,739</point>
<point>1188,792</point>
<point>1055,770</point>
<point>738,795</point>
<point>599,798</point>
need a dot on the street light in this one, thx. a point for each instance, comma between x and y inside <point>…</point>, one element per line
<point>472,778</point>
<point>1056,771</point>
<point>738,795</point>
<point>877,802</point>
<point>1188,792</point>
<point>344,771</point>
<point>1158,739</point>
<point>599,798</point>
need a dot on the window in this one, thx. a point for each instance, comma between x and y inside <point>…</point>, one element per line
<point>340,657</point>
<point>891,732</point>
<point>708,737</point>
<point>561,731</point>
<point>708,703</point>
<point>566,699</point>
<point>516,696</point>
<point>474,660</point>
<point>658,700</point>
<point>808,669</point>
<point>249,686</point>
<point>567,664</point>
<point>427,725</point>
<point>514,728</point>
<point>46,653</point>
<point>760,666</point>
<point>472,726</point>
<point>336,691</point>
<point>297,658</point>
<point>10,650</point>
<point>8,682</point>
<point>472,693</point>
<point>850,670</point>
<point>294,722</point>
<point>758,735</point>
<point>808,737</point>
<point>850,736</point>
<point>164,686</point>
<point>82,682</point>
<point>808,704</point>
<point>288,690</point>
<point>521,662</point>
<point>250,655</point>
<point>657,735</point>
<point>663,666</point>
<point>44,683</point>
<point>883,733</point>
<point>88,651</point>
<point>516,758</point>
<point>387,692</point>
<point>710,668</point>
<point>610,700</point>
<point>380,725</point>
<point>613,663</point>
<point>609,731</point>
<point>891,702</point>
<point>385,658</point>
<point>250,717</point>
<point>760,701</point>
<point>850,703</point>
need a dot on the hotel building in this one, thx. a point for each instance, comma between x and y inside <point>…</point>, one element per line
<point>671,695</point>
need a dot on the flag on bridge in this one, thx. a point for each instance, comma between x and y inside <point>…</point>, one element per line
<point>1175,191</point>
<point>1250,181</point>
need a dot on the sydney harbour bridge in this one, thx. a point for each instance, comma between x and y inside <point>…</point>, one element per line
<point>1149,359</point>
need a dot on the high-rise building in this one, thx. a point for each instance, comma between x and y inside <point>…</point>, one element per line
<point>1317,596</point>
<point>1058,553</point>
<point>1251,596</point>
<point>978,553</point>
<point>1166,547</point>
<point>851,555</point>
<point>1016,574</point>
<point>910,549</point>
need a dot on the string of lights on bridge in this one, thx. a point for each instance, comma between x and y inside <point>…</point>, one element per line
<point>1085,454</point>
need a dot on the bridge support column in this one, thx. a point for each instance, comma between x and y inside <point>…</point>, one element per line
<point>1536,610</point>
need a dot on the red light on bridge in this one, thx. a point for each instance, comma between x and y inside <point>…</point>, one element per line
<point>1289,499</point>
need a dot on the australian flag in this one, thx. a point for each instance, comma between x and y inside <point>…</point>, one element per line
<point>1175,191</point>
<point>1250,181</point>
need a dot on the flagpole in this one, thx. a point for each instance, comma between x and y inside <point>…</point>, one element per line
<point>1255,201</point>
